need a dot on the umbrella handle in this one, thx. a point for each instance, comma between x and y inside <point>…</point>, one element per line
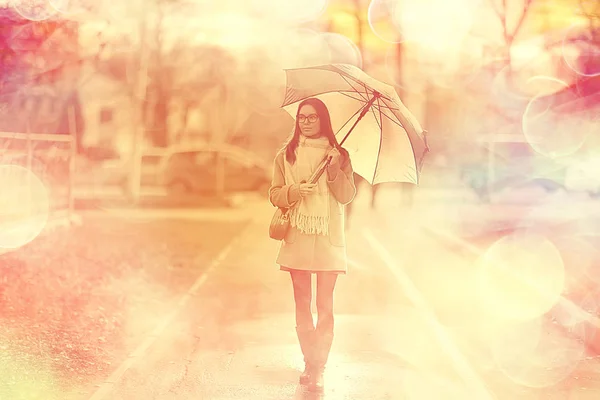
<point>317,175</point>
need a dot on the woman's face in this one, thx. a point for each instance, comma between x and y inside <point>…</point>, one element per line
<point>310,125</point>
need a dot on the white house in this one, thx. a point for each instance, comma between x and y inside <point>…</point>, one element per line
<point>108,111</point>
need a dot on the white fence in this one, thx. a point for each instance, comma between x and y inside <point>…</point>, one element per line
<point>50,158</point>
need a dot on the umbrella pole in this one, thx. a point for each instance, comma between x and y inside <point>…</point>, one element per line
<point>364,111</point>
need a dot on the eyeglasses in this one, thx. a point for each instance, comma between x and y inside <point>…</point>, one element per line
<point>312,118</point>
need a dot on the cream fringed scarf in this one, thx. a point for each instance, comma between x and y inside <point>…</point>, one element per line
<point>311,215</point>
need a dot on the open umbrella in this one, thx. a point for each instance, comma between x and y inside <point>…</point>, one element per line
<point>387,142</point>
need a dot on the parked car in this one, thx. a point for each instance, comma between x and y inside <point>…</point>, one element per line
<point>114,173</point>
<point>202,169</point>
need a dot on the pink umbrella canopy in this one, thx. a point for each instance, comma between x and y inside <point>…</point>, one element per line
<point>385,141</point>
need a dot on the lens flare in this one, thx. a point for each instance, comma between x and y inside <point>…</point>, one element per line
<point>380,16</point>
<point>34,10</point>
<point>580,51</point>
<point>73,7</point>
<point>553,130</point>
<point>543,85</point>
<point>536,354</point>
<point>24,206</point>
<point>505,92</point>
<point>343,50</point>
<point>521,276</point>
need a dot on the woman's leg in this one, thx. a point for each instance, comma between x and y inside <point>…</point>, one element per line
<point>325,288</point>
<point>301,281</point>
<point>324,331</point>
<point>305,328</point>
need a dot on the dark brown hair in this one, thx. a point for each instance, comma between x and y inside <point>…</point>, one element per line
<point>326,130</point>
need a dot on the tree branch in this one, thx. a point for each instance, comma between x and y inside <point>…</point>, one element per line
<point>497,10</point>
<point>501,13</point>
<point>519,24</point>
<point>592,13</point>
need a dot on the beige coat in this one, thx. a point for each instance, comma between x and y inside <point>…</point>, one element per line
<point>315,253</point>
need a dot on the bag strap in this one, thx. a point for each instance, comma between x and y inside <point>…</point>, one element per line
<point>285,210</point>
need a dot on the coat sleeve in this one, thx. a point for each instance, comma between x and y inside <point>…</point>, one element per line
<point>280,194</point>
<point>341,182</point>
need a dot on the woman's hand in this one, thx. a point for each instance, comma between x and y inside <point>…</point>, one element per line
<point>307,188</point>
<point>335,156</point>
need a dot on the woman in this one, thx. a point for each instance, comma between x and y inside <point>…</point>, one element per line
<point>315,243</point>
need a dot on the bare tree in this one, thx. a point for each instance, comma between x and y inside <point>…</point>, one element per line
<point>591,10</point>
<point>196,72</point>
<point>180,74</point>
<point>509,34</point>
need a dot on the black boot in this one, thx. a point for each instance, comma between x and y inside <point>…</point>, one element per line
<point>323,344</point>
<point>306,337</point>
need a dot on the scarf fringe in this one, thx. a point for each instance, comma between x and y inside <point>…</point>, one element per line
<point>311,215</point>
<point>310,224</point>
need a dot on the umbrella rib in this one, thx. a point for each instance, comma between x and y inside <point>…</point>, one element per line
<point>379,124</point>
<point>357,90</point>
<point>288,98</point>
<point>385,106</point>
<point>367,88</point>
<point>380,140</point>
<point>344,77</point>
<point>349,119</point>
<point>393,119</point>
<point>354,98</point>
<point>365,91</point>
